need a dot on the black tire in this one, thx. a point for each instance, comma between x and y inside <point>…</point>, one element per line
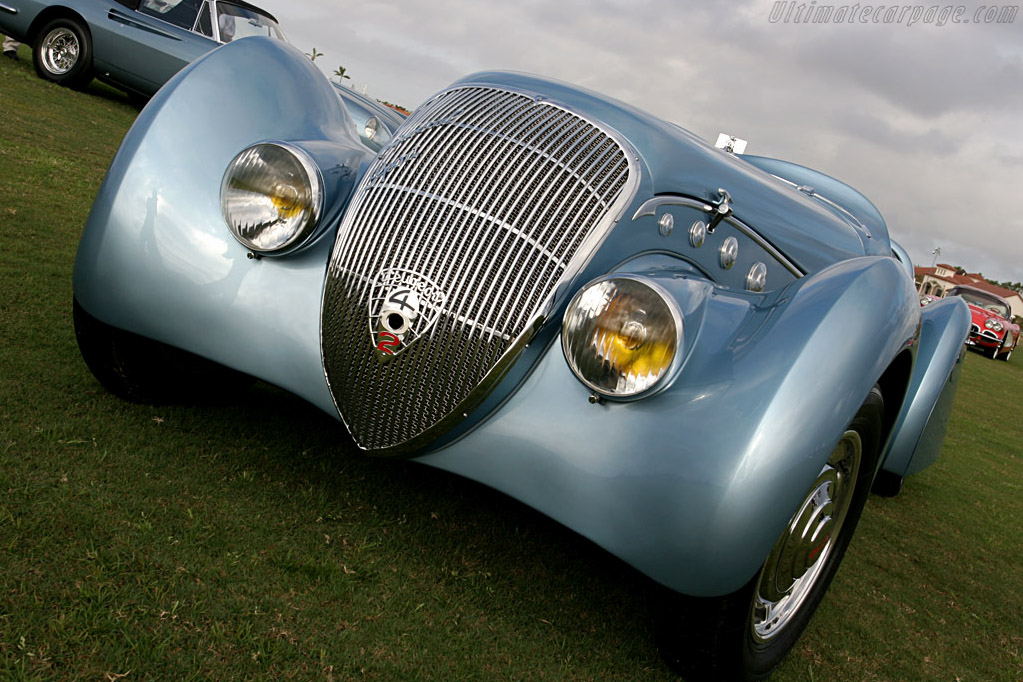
<point>62,53</point>
<point>746,634</point>
<point>137,99</point>
<point>1005,347</point>
<point>887,484</point>
<point>142,370</point>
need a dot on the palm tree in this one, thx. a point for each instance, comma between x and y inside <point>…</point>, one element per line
<point>313,55</point>
<point>341,75</point>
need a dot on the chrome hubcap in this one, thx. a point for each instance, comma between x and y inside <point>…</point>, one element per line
<point>60,51</point>
<point>802,551</point>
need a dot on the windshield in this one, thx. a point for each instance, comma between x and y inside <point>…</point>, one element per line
<point>178,12</point>
<point>988,302</point>
<point>236,22</point>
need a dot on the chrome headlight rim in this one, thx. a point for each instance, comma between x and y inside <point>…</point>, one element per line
<point>665,379</point>
<point>374,133</point>
<point>314,182</point>
<point>371,128</point>
<point>993,324</point>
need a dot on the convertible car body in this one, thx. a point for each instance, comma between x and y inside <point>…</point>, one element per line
<point>700,361</point>
<point>136,45</point>
<point>992,330</point>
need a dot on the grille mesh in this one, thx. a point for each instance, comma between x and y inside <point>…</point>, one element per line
<point>489,195</point>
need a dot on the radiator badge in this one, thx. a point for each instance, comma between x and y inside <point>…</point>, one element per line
<point>403,306</point>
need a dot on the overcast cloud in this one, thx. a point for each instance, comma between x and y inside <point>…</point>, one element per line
<point>923,119</point>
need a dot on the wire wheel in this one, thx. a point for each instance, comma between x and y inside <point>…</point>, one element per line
<point>60,51</point>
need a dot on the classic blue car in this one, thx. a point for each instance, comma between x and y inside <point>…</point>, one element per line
<point>136,45</point>
<point>700,361</point>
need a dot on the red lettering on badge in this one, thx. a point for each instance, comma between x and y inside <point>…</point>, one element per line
<point>387,342</point>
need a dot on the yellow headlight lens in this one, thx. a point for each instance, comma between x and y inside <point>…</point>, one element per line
<point>271,197</point>
<point>621,335</point>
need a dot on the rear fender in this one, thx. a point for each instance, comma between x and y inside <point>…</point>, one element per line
<point>920,427</point>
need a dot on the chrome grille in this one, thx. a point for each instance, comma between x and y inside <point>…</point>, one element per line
<point>491,195</point>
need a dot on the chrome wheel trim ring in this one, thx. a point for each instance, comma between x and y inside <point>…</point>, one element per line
<point>801,553</point>
<point>60,51</point>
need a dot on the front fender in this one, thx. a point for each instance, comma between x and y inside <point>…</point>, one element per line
<point>156,257</point>
<point>694,485</point>
<point>922,422</point>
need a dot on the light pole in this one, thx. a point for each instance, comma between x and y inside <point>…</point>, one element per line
<point>936,252</point>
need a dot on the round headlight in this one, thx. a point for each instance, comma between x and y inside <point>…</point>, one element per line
<point>994,324</point>
<point>271,196</point>
<point>369,131</point>
<point>621,335</point>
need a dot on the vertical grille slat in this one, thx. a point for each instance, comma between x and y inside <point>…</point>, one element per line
<point>496,240</point>
<point>547,185</point>
<point>491,196</point>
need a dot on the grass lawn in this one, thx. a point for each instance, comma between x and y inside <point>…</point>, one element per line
<point>249,541</point>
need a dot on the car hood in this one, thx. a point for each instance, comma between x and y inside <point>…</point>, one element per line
<point>813,228</point>
<point>981,315</point>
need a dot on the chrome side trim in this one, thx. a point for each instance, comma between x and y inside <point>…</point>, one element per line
<point>856,223</point>
<point>650,207</point>
<point>8,9</point>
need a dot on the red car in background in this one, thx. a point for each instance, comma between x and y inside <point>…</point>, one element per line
<point>992,331</point>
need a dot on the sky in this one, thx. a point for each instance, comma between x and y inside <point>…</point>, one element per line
<point>917,106</point>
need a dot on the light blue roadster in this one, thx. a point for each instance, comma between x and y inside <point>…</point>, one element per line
<point>700,361</point>
<point>136,45</point>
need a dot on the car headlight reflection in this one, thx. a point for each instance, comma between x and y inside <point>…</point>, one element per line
<point>371,128</point>
<point>271,197</point>
<point>993,324</point>
<point>621,335</point>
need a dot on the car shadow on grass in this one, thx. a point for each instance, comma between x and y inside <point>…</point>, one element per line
<point>431,535</point>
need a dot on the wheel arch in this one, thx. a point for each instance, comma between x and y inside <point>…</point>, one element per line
<point>53,13</point>
<point>922,418</point>
<point>894,385</point>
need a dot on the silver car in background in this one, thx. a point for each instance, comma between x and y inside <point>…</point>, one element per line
<point>135,45</point>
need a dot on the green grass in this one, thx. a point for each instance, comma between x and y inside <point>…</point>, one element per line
<point>249,541</point>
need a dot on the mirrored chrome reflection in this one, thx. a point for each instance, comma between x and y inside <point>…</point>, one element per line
<point>371,128</point>
<point>59,51</point>
<point>271,196</point>
<point>621,335</point>
<point>652,205</point>
<point>798,559</point>
<point>729,253</point>
<point>697,234</point>
<point>756,278</point>
<point>666,224</point>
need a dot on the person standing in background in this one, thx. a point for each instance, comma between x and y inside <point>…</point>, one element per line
<point>10,48</point>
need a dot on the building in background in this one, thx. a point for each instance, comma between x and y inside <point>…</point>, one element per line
<point>938,280</point>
